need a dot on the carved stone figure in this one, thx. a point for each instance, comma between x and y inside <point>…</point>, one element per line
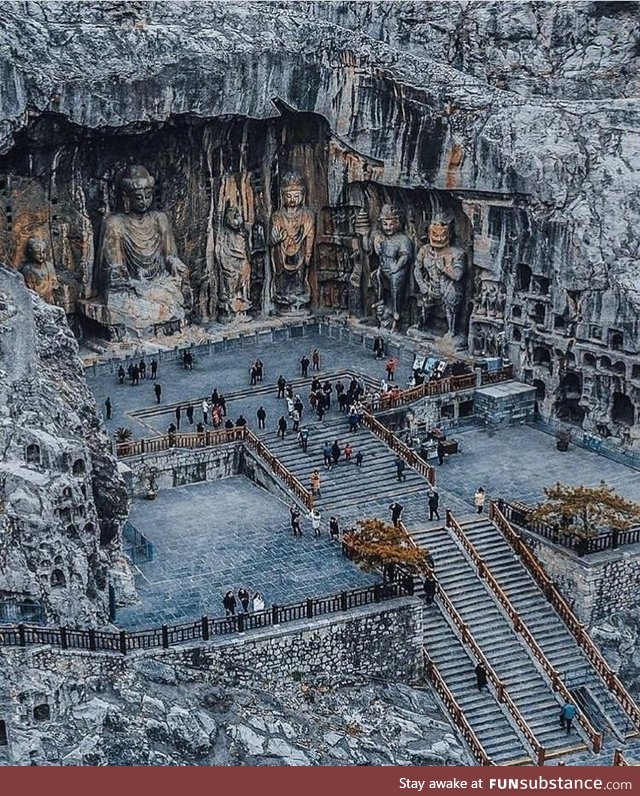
<point>145,283</point>
<point>439,273</point>
<point>292,237</point>
<point>234,264</point>
<point>39,274</point>
<point>490,300</point>
<point>395,252</point>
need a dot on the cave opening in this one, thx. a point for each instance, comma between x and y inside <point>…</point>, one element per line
<point>623,410</point>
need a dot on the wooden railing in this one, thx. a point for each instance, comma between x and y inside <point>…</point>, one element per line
<point>562,608</point>
<point>399,448</point>
<point>456,712</point>
<point>205,628</point>
<point>204,439</point>
<point>518,513</point>
<point>521,629</point>
<point>278,469</point>
<point>466,637</point>
<point>466,381</point>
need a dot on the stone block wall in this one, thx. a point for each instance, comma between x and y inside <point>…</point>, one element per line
<point>595,586</point>
<point>177,467</point>
<point>376,640</point>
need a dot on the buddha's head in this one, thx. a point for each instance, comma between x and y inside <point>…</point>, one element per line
<point>233,218</point>
<point>293,190</point>
<point>137,189</point>
<point>439,233</point>
<point>36,251</point>
<point>390,220</point>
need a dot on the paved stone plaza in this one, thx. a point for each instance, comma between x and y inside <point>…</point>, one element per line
<point>211,537</point>
<point>222,535</point>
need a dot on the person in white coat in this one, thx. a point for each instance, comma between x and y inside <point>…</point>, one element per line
<point>315,517</point>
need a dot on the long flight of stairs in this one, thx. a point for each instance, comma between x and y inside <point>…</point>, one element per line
<point>546,626</point>
<point>510,659</point>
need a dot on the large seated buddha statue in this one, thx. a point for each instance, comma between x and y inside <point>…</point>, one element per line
<point>144,282</point>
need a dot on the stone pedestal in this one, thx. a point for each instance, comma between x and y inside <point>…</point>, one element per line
<point>506,402</point>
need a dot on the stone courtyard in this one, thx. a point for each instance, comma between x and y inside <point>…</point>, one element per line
<point>214,536</point>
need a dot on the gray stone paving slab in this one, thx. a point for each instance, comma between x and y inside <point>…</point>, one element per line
<point>221,535</point>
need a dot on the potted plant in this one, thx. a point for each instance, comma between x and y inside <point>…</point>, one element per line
<point>563,440</point>
<point>123,437</point>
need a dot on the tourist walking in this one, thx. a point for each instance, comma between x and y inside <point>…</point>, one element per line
<point>334,529</point>
<point>303,438</point>
<point>241,422</point>
<point>304,366</point>
<point>121,375</point>
<point>178,416</point>
<point>158,391</point>
<point>282,426</point>
<point>396,510</point>
<point>400,469</point>
<point>434,502</point>
<point>294,512</point>
<point>229,603</point>
<point>335,452</point>
<point>348,450</point>
<point>326,452</point>
<point>478,499</point>
<point>315,517</point>
<point>359,458</point>
<point>190,414</point>
<point>222,403</point>
<point>171,433</point>
<point>315,359</point>
<point>429,586</point>
<point>205,411</point>
<point>257,604</point>
<point>567,715</point>
<point>353,420</point>
<point>142,369</point>
<point>481,676</point>
<point>135,376</point>
<point>262,416</point>
<point>259,369</point>
<point>391,369</point>
<point>253,375</point>
<point>154,369</point>
<point>289,402</point>
<point>107,408</point>
<point>282,383</point>
<point>440,451</point>
<point>295,417</point>
<point>244,597</point>
<point>378,347</point>
<point>314,480</point>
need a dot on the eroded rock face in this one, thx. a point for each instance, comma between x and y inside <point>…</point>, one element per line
<point>63,710</point>
<point>445,111</point>
<point>62,498</point>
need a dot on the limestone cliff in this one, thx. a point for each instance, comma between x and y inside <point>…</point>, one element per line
<point>62,499</point>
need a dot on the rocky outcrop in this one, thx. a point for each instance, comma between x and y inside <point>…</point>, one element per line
<point>69,711</point>
<point>62,499</point>
<point>519,125</point>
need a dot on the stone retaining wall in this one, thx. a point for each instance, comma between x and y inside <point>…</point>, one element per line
<point>595,586</point>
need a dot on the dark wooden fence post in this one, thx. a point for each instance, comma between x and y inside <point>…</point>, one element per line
<point>343,601</point>
<point>309,608</point>
<point>142,445</point>
<point>63,638</point>
<point>377,593</point>
<point>165,637</point>
<point>92,639</point>
<point>241,623</point>
<point>21,636</point>
<point>615,538</point>
<point>205,628</point>
<point>274,615</point>
<point>123,642</point>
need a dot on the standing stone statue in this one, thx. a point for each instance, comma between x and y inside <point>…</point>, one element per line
<point>145,283</point>
<point>439,273</point>
<point>38,272</point>
<point>234,264</point>
<point>292,237</point>
<point>395,252</point>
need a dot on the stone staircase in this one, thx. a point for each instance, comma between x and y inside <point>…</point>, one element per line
<point>511,660</point>
<point>346,490</point>
<point>547,627</point>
